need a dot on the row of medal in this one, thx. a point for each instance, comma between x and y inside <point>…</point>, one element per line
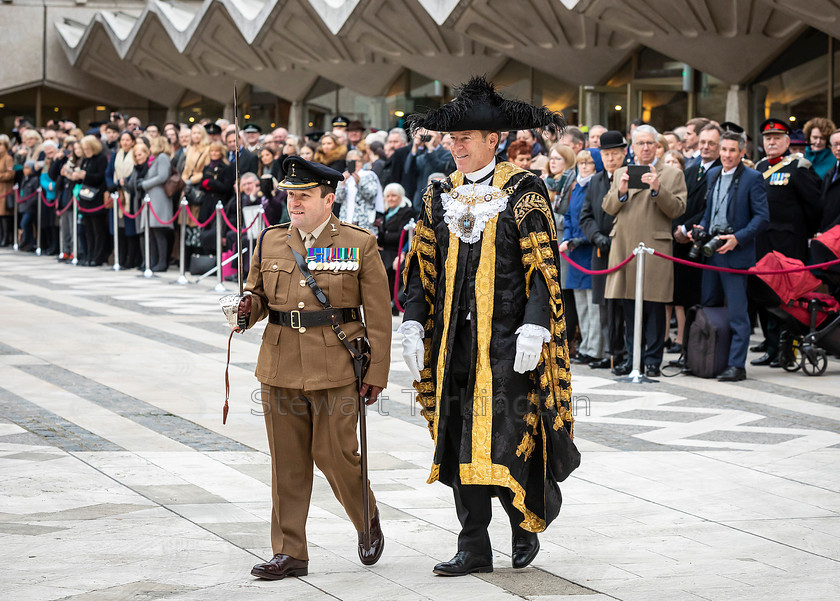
<point>332,259</point>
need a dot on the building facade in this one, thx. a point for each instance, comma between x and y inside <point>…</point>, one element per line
<point>296,63</point>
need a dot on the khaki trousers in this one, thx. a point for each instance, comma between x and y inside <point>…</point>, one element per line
<point>304,427</point>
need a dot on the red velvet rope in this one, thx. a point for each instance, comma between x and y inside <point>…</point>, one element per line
<point>67,208</point>
<point>598,271</point>
<point>198,223</point>
<point>167,222</point>
<point>94,209</point>
<point>126,213</point>
<point>233,227</point>
<point>751,270</point>
<point>265,220</point>
<point>19,199</point>
<point>397,277</point>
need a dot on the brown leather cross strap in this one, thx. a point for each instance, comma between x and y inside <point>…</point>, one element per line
<point>308,319</point>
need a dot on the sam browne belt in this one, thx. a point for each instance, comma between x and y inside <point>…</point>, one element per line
<point>308,319</point>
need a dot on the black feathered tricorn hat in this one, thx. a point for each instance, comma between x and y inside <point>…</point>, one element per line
<point>477,105</point>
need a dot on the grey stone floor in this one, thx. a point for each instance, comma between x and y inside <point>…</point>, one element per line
<point>118,480</point>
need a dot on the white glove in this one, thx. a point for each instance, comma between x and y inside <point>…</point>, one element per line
<point>528,349</point>
<point>413,350</point>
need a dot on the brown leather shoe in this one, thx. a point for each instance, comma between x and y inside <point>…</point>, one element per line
<point>377,542</point>
<point>281,566</point>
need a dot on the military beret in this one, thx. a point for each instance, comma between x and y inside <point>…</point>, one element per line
<point>302,175</point>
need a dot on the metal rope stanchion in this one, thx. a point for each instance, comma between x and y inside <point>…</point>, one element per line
<point>16,219</point>
<point>220,286</point>
<point>75,202</point>
<point>147,273</point>
<point>38,224</point>
<point>116,209</point>
<point>61,250</point>
<point>636,376</point>
<point>182,261</point>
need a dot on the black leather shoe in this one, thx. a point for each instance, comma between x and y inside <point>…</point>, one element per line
<point>761,347</point>
<point>732,374</point>
<point>676,349</point>
<point>281,566</point>
<point>377,542</point>
<point>582,359</point>
<point>525,549</point>
<point>652,371</point>
<point>775,363</point>
<point>765,359</point>
<point>622,369</point>
<point>600,363</point>
<point>465,562</point>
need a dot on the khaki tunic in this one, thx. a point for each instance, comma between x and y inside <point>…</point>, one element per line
<point>314,358</point>
<point>644,218</point>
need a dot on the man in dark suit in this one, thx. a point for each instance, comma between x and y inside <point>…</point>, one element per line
<point>793,198</point>
<point>400,168</point>
<point>596,226</point>
<point>686,282</point>
<point>248,161</point>
<point>831,188</point>
<point>737,200</point>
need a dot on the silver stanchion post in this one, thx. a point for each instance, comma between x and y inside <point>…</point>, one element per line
<point>38,224</point>
<point>16,220</point>
<point>75,202</point>
<point>147,273</point>
<point>116,208</point>
<point>182,261</point>
<point>61,250</point>
<point>220,286</point>
<point>636,376</point>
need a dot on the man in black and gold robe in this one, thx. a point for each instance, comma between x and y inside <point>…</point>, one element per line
<point>484,331</point>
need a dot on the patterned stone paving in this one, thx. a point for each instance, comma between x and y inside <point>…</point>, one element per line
<point>118,475</point>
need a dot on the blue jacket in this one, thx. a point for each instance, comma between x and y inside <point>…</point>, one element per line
<point>748,214</point>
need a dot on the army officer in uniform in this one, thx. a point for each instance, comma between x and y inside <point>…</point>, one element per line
<point>309,390</point>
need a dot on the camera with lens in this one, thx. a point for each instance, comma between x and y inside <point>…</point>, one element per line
<point>713,245</point>
<point>425,138</point>
<point>700,237</point>
<point>705,243</point>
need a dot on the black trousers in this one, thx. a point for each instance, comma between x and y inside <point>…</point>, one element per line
<point>653,330</point>
<point>96,236</point>
<point>472,502</point>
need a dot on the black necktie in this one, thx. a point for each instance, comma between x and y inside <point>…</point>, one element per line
<point>700,172</point>
<point>836,172</point>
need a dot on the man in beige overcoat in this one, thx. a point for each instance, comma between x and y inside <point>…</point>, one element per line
<point>644,215</point>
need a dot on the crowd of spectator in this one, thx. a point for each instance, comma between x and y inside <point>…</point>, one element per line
<point>599,217</point>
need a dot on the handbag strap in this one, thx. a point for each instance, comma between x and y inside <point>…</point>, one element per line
<point>358,358</point>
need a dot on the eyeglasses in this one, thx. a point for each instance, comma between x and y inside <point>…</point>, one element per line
<point>836,145</point>
<point>644,143</point>
<point>586,162</point>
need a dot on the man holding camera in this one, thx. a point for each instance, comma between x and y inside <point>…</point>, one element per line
<point>736,211</point>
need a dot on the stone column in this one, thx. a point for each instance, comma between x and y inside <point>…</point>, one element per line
<point>296,118</point>
<point>738,106</point>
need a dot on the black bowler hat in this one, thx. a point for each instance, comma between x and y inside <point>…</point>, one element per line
<point>252,128</point>
<point>213,129</point>
<point>355,126</point>
<point>340,121</point>
<point>775,126</point>
<point>302,175</point>
<point>733,127</point>
<point>479,106</point>
<point>612,139</point>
